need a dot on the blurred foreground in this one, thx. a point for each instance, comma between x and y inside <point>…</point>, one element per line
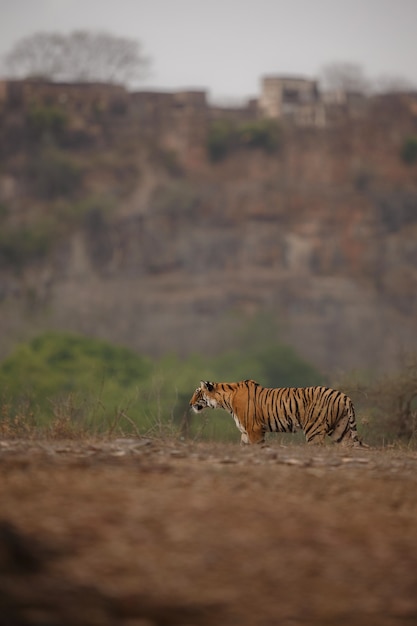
<point>158,532</point>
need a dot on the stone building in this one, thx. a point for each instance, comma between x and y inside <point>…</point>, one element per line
<point>292,97</point>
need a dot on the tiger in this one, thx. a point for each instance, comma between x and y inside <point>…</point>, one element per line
<point>317,411</point>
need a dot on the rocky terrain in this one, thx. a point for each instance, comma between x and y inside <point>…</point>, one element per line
<point>165,250</point>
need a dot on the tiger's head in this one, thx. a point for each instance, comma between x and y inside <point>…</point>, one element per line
<point>204,396</point>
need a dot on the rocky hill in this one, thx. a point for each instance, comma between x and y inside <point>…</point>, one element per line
<point>116,222</point>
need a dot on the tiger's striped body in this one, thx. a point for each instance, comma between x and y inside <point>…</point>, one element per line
<point>318,411</point>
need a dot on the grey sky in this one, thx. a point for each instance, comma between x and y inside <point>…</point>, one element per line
<point>225,46</point>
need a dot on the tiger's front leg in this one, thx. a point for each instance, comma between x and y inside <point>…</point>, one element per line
<point>255,436</point>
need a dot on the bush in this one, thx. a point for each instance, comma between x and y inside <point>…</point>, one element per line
<point>264,134</point>
<point>53,367</point>
<point>409,151</point>
<point>387,407</point>
<point>221,139</point>
<point>53,174</point>
<point>20,246</point>
<point>46,122</point>
<point>225,136</point>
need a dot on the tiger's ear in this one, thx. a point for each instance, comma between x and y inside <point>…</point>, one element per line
<point>204,384</point>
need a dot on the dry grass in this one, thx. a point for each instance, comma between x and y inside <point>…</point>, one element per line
<point>155,532</point>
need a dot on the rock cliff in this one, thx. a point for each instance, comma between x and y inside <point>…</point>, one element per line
<point>159,248</point>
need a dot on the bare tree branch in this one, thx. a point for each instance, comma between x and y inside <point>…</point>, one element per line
<point>81,56</point>
<point>346,77</point>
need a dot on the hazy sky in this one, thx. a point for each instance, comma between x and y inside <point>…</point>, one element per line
<point>225,46</point>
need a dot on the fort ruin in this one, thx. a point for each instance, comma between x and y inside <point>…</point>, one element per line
<point>294,99</point>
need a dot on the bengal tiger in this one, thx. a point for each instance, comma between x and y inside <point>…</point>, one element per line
<point>318,411</point>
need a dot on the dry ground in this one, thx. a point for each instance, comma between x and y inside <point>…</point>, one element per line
<point>140,532</point>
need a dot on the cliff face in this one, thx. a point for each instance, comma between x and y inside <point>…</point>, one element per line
<point>163,250</point>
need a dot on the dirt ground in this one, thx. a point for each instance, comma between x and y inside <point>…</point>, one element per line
<point>142,532</point>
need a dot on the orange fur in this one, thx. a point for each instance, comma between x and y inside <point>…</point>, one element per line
<point>318,411</point>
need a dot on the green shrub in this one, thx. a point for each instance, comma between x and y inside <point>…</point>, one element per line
<point>409,151</point>
<point>46,122</point>
<point>225,136</point>
<point>221,139</point>
<point>20,246</point>
<point>56,366</point>
<point>264,134</point>
<point>53,174</point>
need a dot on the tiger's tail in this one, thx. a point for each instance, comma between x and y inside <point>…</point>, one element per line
<point>352,430</point>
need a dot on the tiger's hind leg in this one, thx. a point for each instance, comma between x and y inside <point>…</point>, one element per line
<point>315,432</point>
<point>344,434</point>
<point>341,432</point>
<point>317,438</point>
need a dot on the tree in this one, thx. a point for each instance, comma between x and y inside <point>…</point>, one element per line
<point>81,56</point>
<point>346,77</point>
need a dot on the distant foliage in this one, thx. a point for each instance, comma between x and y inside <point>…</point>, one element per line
<point>275,365</point>
<point>81,56</point>
<point>387,406</point>
<point>105,387</point>
<point>53,173</point>
<point>20,246</point>
<point>344,77</point>
<point>46,122</point>
<point>23,244</point>
<point>55,366</point>
<point>264,134</point>
<point>409,151</point>
<point>221,139</point>
<point>225,136</point>
<point>72,362</point>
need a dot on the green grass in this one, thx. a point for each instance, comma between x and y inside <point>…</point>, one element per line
<point>75,383</point>
<point>69,385</point>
